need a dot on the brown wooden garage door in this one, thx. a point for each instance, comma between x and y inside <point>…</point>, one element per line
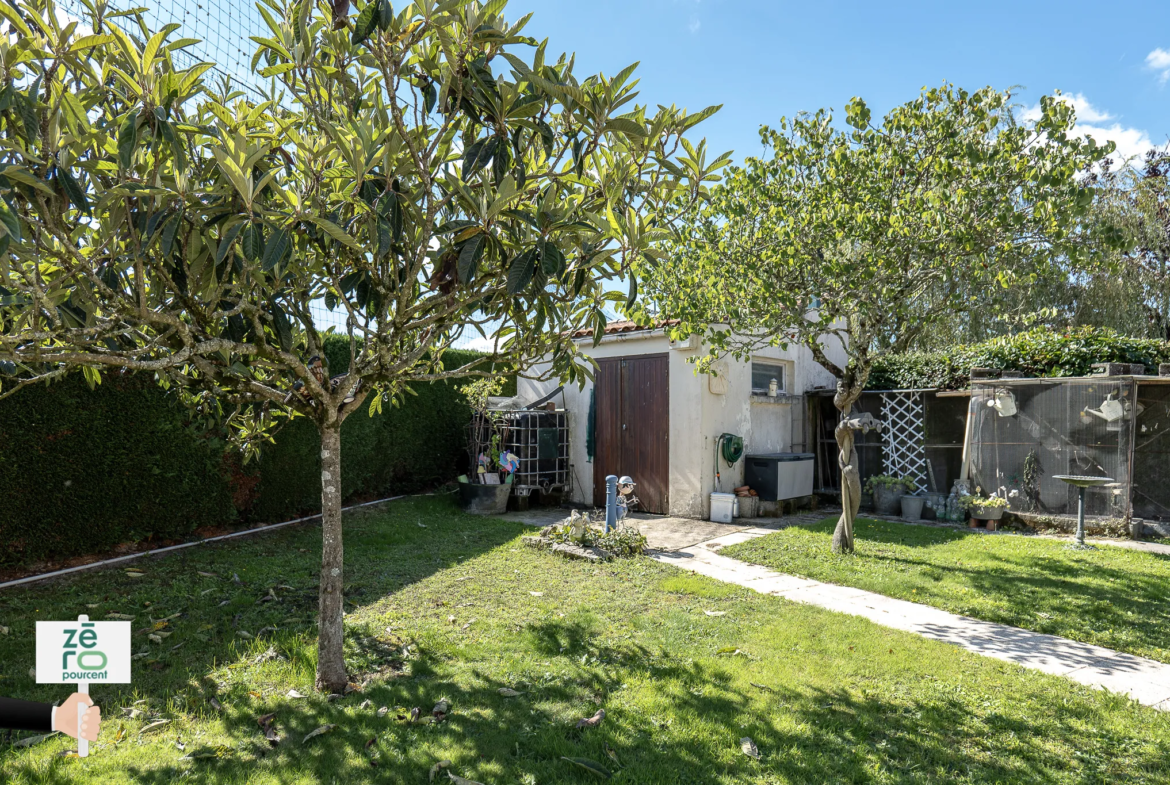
<point>633,427</point>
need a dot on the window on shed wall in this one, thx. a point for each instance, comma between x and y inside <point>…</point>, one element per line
<point>762,375</point>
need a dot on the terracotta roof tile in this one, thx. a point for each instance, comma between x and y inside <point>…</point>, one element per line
<point>626,326</point>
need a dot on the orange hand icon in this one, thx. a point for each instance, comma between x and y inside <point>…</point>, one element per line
<point>65,717</point>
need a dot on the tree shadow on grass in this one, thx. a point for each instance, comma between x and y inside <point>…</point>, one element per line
<point>806,735</point>
<point>233,599</point>
<point>1077,595</point>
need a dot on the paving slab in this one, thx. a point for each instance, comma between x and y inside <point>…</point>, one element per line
<point>663,532</point>
<point>1146,681</point>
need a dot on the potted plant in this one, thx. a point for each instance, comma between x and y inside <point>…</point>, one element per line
<point>887,492</point>
<point>912,506</point>
<point>985,508</point>
<point>485,489</point>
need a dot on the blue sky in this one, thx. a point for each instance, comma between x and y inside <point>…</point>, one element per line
<point>763,60</point>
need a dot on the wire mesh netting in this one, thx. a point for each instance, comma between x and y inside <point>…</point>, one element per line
<point>224,30</point>
<point>1024,433</point>
<point>1151,452</point>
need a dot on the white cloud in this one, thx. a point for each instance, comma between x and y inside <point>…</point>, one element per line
<point>1086,112</point>
<point>1159,60</point>
<point>695,24</point>
<point>1091,121</point>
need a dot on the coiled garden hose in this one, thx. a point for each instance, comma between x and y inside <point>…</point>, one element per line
<point>730,447</point>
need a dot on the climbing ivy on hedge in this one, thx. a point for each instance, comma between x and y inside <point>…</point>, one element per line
<point>82,471</point>
<point>1041,352</point>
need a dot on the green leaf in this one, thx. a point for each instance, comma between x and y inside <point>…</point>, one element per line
<point>75,116</point>
<point>277,70</point>
<point>390,208</point>
<point>591,766</point>
<point>624,125</point>
<point>385,15</point>
<point>478,155</point>
<point>9,220</point>
<point>385,238</point>
<point>8,10</point>
<point>366,23</point>
<point>520,271</point>
<point>128,139</point>
<point>225,243</point>
<point>282,326</point>
<point>469,256</point>
<point>455,226</point>
<point>28,115</point>
<point>87,41</point>
<point>72,189</point>
<point>334,231</point>
<point>253,241</point>
<point>633,296</point>
<point>552,261</point>
<point>276,249</point>
<point>168,232</point>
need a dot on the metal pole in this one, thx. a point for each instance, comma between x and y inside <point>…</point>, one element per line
<point>83,688</point>
<point>1081,517</point>
<point>610,503</point>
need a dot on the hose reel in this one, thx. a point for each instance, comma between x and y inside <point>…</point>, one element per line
<point>730,447</point>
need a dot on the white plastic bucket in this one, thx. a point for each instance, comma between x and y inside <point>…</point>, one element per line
<point>722,507</point>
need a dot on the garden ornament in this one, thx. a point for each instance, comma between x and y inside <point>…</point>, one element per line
<point>1004,403</point>
<point>1111,409</point>
<point>846,433</point>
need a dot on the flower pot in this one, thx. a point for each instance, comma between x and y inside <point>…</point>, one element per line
<point>987,513</point>
<point>912,507</point>
<point>887,499</point>
<point>484,499</point>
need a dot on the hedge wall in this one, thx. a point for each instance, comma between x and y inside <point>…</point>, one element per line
<point>82,471</point>
<point>1041,352</point>
<point>418,444</point>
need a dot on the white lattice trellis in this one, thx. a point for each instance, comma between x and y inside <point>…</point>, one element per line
<point>903,436</point>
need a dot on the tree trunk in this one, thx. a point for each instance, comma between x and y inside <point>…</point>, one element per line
<point>331,673</point>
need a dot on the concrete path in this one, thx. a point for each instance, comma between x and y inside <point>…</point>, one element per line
<point>669,533</point>
<point>1144,680</point>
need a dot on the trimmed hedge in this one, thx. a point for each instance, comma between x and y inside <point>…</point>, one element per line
<point>1041,352</point>
<point>82,471</point>
<point>416,445</point>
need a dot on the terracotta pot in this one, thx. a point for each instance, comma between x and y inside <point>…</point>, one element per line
<point>484,499</point>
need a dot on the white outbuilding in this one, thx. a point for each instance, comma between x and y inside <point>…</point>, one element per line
<point>650,414</point>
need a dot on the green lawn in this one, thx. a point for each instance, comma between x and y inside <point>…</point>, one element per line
<point>1111,597</point>
<point>446,606</point>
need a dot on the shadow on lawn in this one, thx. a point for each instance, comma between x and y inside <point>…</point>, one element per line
<point>1078,590</point>
<point>926,741</point>
<point>234,598</point>
<point>828,736</point>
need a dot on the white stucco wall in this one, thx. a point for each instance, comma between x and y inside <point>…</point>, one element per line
<point>698,416</point>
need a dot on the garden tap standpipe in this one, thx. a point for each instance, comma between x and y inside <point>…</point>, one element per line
<point>611,482</point>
